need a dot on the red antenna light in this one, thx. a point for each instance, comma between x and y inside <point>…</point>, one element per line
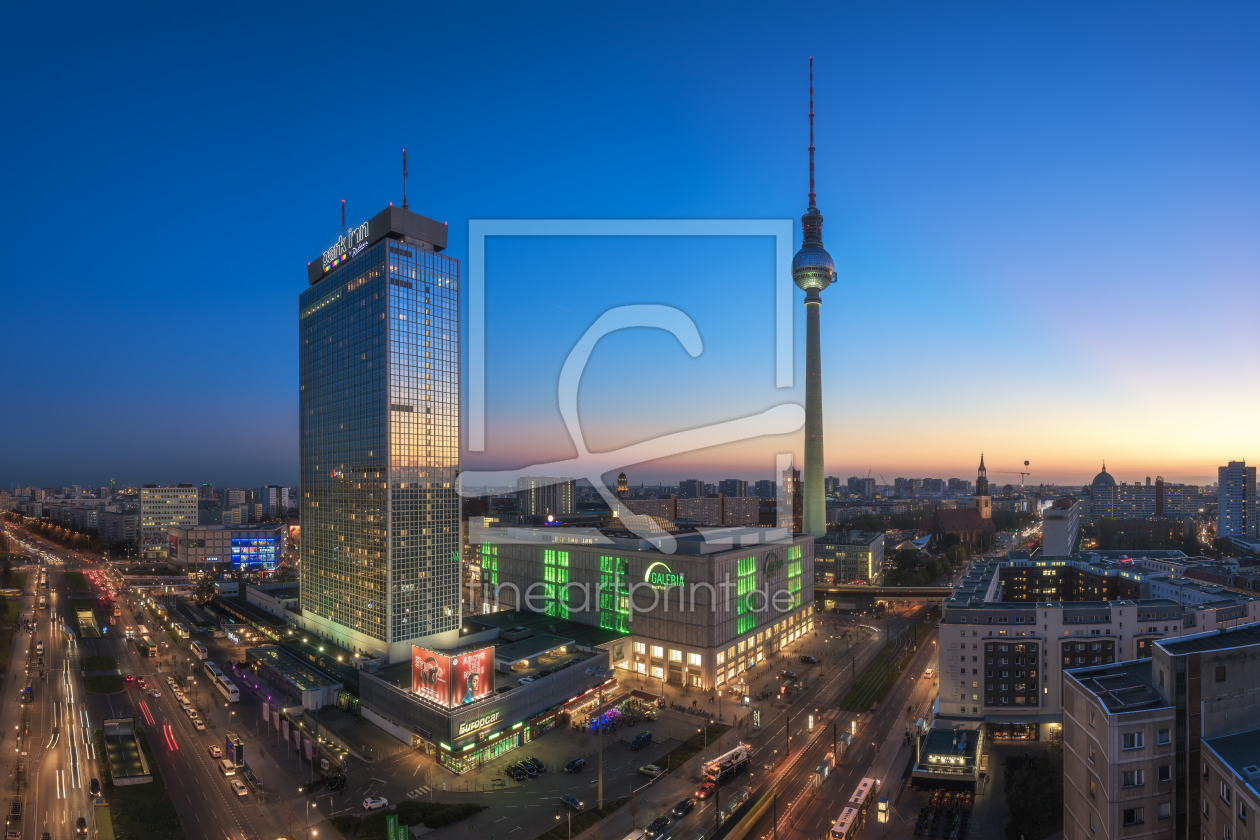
<point>811,131</point>
<point>404,179</point>
<point>343,217</point>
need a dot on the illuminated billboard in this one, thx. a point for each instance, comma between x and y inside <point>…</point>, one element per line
<point>472,676</point>
<point>431,675</point>
<point>452,680</point>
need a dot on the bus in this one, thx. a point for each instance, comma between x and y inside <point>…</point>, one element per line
<point>117,611</point>
<point>200,650</point>
<point>146,646</point>
<point>141,630</point>
<point>43,602</point>
<point>180,630</point>
<point>214,671</point>
<point>229,690</point>
<point>853,817</point>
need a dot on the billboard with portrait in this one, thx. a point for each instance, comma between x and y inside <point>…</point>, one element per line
<point>431,675</point>
<point>472,676</point>
<point>452,680</point>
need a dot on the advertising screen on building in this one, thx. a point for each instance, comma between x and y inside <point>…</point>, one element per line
<point>452,680</point>
<point>472,676</point>
<point>431,675</point>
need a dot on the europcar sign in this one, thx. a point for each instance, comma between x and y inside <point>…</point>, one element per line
<point>478,723</point>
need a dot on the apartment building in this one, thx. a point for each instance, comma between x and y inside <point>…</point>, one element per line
<point>1165,747</point>
<point>1001,662</point>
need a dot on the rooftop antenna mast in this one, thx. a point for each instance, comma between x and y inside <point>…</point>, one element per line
<point>343,217</point>
<point>404,179</point>
<point>811,131</point>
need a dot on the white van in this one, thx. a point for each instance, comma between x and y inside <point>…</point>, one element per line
<point>635,834</point>
<point>227,768</point>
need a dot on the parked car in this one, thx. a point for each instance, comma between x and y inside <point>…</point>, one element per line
<point>808,660</point>
<point>215,752</point>
<point>683,808</point>
<point>787,675</point>
<point>575,766</point>
<point>514,773</point>
<point>526,768</point>
<point>571,801</point>
<point>538,765</point>
<point>199,725</point>
<point>238,787</point>
<point>705,790</point>
<point>651,770</point>
<point>641,740</point>
<point>372,803</point>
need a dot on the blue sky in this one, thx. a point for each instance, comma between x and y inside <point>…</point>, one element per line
<point>1043,219</point>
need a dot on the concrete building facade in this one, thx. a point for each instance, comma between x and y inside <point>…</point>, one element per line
<point>162,508</point>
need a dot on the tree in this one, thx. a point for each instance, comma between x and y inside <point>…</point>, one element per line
<point>204,591</point>
<point>6,573</point>
<point>955,555</point>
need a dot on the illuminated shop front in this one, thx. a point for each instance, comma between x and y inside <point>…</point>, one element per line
<point>743,593</point>
<point>515,679</point>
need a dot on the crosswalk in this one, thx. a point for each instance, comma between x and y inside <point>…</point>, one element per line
<point>418,792</point>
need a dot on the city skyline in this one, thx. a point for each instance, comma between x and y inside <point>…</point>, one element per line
<point>998,244</point>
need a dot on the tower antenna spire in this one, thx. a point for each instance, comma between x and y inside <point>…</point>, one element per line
<point>404,179</point>
<point>811,131</point>
<point>343,217</point>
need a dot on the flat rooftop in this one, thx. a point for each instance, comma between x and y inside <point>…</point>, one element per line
<point>303,677</point>
<point>1248,634</point>
<point>690,540</point>
<point>546,635</point>
<point>1122,687</point>
<point>948,748</point>
<point>1240,750</point>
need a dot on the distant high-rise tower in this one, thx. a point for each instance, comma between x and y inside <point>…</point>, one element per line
<point>813,271</point>
<point>1236,509</point>
<point>378,364</point>
<point>982,500</point>
<point>623,486</point>
<point>791,506</point>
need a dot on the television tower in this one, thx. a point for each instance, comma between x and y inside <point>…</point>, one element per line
<point>813,271</point>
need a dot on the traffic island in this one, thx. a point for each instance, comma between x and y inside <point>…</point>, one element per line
<point>138,811</point>
<point>429,814</point>
<point>580,821</point>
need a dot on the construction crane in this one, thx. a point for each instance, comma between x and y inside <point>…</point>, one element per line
<point>1020,473</point>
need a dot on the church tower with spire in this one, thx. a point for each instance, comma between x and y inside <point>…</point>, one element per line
<point>981,499</point>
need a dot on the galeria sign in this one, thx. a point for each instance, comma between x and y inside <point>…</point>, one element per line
<point>658,574</point>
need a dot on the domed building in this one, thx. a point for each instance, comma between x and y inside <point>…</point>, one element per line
<point>1103,479</point>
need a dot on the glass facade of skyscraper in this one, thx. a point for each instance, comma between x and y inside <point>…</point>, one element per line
<point>379,362</point>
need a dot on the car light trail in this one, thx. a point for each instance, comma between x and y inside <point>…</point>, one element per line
<point>144,710</point>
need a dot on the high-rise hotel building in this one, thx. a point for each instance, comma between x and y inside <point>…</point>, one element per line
<point>379,371</point>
